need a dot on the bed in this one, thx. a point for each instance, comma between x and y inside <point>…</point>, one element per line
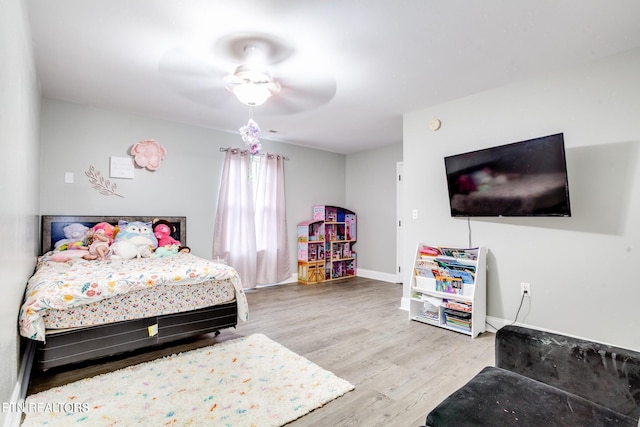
<point>77,310</point>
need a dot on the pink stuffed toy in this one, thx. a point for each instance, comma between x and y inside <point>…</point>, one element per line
<point>162,230</point>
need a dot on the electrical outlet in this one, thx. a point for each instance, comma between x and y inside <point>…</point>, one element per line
<point>525,289</point>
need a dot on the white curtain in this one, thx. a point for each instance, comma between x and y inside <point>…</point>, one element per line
<point>272,243</point>
<point>234,232</point>
<point>252,238</point>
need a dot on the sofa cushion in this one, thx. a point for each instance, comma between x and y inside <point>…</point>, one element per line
<point>609,376</point>
<point>497,397</point>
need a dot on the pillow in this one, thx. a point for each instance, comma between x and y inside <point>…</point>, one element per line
<point>65,256</point>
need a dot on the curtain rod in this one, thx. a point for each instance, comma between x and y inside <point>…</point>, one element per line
<point>225,149</point>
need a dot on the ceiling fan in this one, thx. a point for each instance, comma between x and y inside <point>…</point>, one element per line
<point>255,67</point>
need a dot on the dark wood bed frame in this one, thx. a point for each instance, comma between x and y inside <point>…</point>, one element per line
<point>80,345</point>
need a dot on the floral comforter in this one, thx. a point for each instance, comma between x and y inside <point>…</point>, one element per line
<point>62,285</point>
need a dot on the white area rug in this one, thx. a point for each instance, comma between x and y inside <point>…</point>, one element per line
<point>250,381</point>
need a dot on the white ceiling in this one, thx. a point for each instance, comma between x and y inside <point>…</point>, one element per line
<point>372,59</point>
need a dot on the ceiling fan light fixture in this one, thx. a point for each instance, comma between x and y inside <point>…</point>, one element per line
<point>252,86</point>
<point>251,94</point>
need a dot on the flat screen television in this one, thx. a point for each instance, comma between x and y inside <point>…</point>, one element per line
<point>526,178</point>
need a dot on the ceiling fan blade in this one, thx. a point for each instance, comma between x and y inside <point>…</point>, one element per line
<point>185,62</point>
<point>193,77</point>
<point>297,95</point>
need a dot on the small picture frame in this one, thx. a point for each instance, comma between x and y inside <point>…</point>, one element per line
<point>121,167</point>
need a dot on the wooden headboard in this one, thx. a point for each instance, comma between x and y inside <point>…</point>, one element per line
<point>52,226</point>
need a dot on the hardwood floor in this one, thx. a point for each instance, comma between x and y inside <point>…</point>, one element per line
<point>401,369</point>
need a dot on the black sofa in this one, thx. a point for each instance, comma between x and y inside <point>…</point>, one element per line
<point>545,379</point>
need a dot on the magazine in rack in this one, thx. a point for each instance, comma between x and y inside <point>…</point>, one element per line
<point>448,267</point>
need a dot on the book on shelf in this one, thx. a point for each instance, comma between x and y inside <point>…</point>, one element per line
<point>430,315</point>
<point>426,272</point>
<point>457,319</point>
<point>466,326</point>
<point>453,269</point>
<point>469,253</point>
<point>466,276</point>
<point>429,251</point>
<point>454,263</point>
<point>450,285</point>
<point>459,306</point>
<point>426,261</point>
<point>426,268</point>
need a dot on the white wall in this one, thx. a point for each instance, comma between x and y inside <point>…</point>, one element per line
<point>582,269</point>
<point>75,137</point>
<point>371,194</point>
<point>19,115</point>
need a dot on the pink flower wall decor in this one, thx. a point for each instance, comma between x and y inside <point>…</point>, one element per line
<point>148,154</point>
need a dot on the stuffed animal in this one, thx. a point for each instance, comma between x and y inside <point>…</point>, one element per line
<point>123,250</point>
<point>99,239</point>
<point>75,235</point>
<point>163,229</point>
<point>165,251</point>
<point>140,234</point>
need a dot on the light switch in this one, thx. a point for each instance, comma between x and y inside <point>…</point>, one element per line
<point>68,177</point>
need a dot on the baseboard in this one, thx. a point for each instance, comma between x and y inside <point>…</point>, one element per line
<point>496,323</point>
<point>376,275</point>
<point>292,279</point>
<point>405,303</point>
<point>14,419</point>
<point>367,274</point>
